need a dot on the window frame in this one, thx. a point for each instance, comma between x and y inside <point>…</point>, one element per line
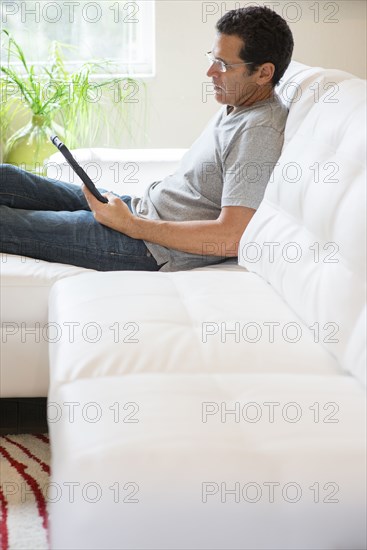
<point>143,66</point>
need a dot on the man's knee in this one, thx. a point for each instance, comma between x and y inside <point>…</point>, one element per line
<point>9,172</point>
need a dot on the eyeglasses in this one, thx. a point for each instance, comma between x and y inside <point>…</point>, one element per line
<point>221,65</point>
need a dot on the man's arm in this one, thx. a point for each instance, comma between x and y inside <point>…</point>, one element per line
<point>218,237</point>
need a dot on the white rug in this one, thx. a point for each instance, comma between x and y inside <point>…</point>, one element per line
<point>24,483</point>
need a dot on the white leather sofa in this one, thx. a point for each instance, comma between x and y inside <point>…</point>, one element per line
<point>223,407</point>
<point>25,282</point>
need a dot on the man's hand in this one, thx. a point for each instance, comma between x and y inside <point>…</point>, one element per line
<point>218,237</point>
<point>114,214</point>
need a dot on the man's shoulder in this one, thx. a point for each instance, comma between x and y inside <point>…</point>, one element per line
<point>271,113</point>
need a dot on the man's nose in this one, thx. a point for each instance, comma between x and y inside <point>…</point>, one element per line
<point>213,71</point>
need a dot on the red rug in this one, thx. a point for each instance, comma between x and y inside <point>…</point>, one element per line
<point>24,483</point>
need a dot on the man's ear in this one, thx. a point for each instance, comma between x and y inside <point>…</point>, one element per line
<point>266,73</point>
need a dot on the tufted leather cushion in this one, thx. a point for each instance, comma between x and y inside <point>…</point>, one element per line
<point>308,237</point>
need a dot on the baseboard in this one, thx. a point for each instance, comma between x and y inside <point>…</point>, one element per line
<point>24,415</point>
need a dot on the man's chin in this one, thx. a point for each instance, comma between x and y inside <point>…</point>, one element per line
<point>220,96</point>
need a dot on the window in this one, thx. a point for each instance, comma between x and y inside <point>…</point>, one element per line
<point>122,32</point>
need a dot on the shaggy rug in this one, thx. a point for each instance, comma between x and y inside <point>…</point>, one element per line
<point>24,482</point>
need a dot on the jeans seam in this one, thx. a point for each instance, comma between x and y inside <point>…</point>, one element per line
<point>97,252</point>
<point>38,202</point>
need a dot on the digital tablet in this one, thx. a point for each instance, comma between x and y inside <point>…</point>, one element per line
<point>78,169</point>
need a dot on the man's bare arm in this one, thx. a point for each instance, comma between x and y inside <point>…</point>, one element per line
<point>218,237</point>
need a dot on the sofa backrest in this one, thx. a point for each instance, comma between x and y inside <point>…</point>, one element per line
<point>302,87</point>
<point>308,237</point>
<point>123,171</point>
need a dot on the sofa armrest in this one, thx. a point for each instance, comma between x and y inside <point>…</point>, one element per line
<point>123,171</point>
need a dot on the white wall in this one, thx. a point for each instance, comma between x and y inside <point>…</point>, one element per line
<point>328,34</point>
<point>175,106</point>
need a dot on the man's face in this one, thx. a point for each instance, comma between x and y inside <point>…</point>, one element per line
<point>234,86</point>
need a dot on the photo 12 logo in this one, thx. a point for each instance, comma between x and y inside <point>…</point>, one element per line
<point>92,412</point>
<point>69,331</point>
<point>70,11</point>
<point>268,411</point>
<point>74,491</point>
<point>269,332</point>
<point>269,492</point>
<point>292,12</point>
<point>290,252</point>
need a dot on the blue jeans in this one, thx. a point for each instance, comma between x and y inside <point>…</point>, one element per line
<point>51,220</point>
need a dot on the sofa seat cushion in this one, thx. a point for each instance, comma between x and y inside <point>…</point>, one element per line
<point>26,282</point>
<point>25,328</point>
<point>218,461</point>
<point>25,331</point>
<point>210,321</point>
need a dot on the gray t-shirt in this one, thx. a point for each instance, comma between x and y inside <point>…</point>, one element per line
<point>228,165</point>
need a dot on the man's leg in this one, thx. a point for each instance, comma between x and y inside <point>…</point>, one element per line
<point>49,220</point>
<point>71,238</point>
<point>21,189</point>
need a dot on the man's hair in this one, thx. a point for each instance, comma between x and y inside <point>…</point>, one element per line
<point>266,35</point>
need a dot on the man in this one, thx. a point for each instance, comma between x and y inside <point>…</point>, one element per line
<point>194,217</point>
